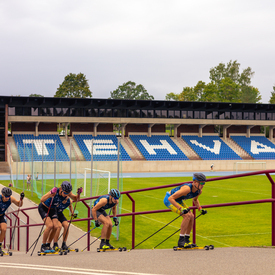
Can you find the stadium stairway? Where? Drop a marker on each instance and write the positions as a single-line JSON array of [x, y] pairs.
[[237, 149], [75, 149], [186, 149], [131, 149]]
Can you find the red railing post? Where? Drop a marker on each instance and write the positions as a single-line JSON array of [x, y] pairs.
[[133, 219], [27, 230], [89, 222]]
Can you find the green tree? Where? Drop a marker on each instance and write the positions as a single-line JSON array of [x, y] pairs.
[[74, 85], [172, 96], [228, 90], [35, 95], [250, 94], [210, 93], [130, 90], [272, 98], [188, 94]]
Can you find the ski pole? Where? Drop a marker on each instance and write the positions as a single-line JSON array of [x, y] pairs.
[[82, 236], [172, 235], [155, 232], [79, 191], [36, 241], [92, 242], [22, 195]]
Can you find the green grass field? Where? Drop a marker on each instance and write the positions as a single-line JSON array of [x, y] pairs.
[[245, 225]]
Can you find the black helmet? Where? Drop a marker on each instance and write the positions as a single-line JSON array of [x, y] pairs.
[[6, 191], [66, 187], [114, 193], [199, 177]]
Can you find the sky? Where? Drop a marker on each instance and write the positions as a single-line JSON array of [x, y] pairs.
[[164, 45]]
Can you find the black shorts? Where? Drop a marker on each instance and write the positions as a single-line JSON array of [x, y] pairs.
[[61, 217], [100, 212], [43, 211], [2, 219]]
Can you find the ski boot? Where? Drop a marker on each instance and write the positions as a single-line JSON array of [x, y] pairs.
[[55, 247], [104, 245], [44, 248], [181, 241], [64, 246], [48, 247], [108, 244], [187, 244]]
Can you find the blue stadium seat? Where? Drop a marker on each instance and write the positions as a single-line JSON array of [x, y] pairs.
[[33, 147], [259, 147], [104, 147], [158, 147], [210, 147]]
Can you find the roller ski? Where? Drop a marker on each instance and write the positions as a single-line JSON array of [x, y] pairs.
[[46, 250], [3, 253], [207, 247], [106, 246]]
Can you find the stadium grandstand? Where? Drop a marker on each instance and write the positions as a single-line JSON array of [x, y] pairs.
[[153, 135]]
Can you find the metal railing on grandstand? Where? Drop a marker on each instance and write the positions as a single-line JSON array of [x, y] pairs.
[[85, 202]]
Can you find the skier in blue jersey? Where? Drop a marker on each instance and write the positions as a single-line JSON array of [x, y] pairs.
[[62, 221], [6, 199], [174, 200], [101, 217], [48, 210]]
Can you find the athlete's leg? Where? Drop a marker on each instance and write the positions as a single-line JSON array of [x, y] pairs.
[[65, 225], [3, 228], [56, 236], [53, 231], [107, 223], [49, 226]]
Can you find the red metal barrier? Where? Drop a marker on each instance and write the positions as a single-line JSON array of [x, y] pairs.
[[134, 213]]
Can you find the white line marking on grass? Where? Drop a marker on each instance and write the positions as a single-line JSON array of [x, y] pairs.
[[144, 216], [151, 197], [237, 190], [68, 269], [235, 235], [212, 240]]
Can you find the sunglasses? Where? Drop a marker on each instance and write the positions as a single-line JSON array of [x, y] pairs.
[[65, 193], [202, 183], [115, 198], [7, 197]]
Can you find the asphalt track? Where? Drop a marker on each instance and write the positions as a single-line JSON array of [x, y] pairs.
[[220, 261]]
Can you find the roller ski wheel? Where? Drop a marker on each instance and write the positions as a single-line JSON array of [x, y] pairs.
[[211, 246], [206, 247], [124, 248], [120, 249], [76, 250]]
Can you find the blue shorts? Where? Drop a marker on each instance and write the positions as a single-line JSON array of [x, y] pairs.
[[166, 201]]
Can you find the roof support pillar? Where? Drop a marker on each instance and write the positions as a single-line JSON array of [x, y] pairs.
[[150, 129], [224, 127], [248, 130], [271, 128], [123, 125], [200, 129], [176, 130], [95, 129], [36, 128]]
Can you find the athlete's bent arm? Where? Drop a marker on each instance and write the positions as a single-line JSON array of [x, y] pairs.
[[100, 204], [196, 202], [16, 202], [184, 190]]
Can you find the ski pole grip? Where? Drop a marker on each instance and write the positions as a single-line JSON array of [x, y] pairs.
[[54, 190]]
